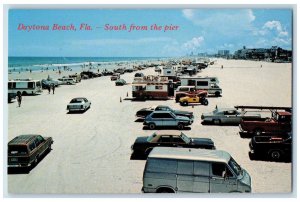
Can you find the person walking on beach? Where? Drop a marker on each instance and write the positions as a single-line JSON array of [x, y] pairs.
[[49, 89], [53, 88], [19, 98]]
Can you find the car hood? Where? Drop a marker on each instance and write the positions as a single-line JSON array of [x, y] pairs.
[[202, 141], [140, 140]]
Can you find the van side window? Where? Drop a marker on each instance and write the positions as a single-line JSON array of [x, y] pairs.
[[201, 168], [185, 167], [162, 165], [218, 169]]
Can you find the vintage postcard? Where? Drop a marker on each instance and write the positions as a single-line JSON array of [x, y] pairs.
[[149, 100]]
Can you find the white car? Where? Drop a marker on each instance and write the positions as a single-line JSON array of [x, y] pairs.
[[67, 81], [79, 104]]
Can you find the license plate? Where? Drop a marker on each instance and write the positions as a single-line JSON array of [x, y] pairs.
[[13, 159]]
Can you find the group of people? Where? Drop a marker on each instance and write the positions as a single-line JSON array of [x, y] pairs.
[[52, 86]]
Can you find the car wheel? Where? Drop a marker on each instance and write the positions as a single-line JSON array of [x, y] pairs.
[[185, 103], [180, 126], [217, 122], [275, 155], [217, 94], [152, 126], [205, 102]]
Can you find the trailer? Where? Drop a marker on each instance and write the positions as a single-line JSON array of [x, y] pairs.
[[152, 87], [203, 83]]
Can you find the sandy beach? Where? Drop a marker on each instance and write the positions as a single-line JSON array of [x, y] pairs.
[[91, 151]]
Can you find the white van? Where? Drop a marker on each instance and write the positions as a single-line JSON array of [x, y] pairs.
[[68, 81], [172, 170], [203, 83]]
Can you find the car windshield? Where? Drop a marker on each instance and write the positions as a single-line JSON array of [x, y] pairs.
[[76, 101], [151, 137], [235, 166], [185, 138]]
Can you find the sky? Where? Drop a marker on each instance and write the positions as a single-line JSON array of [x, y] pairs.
[[194, 31]]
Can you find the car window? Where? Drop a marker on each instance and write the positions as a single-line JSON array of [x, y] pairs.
[[162, 165], [17, 149], [185, 167], [76, 101], [166, 115], [164, 139], [40, 138], [201, 168], [32, 146], [218, 169], [155, 115], [178, 139]]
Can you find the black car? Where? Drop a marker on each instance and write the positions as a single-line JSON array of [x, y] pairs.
[[143, 145], [274, 148], [142, 113]]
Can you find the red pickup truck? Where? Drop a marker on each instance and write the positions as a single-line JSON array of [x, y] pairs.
[[280, 122]]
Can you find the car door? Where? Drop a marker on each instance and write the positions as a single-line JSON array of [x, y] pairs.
[[157, 119], [201, 177], [229, 117], [221, 179], [185, 178], [168, 119]]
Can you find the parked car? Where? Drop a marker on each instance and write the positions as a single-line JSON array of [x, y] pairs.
[[193, 98], [275, 148], [166, 119], [67, 81], [142, 113], [49, 82], [144, 145], [227, 116], [183, 91], [120, 82], [176, 170], [11, 96], [139, 74], [281, 121], [79, 104], [115, 77], [27, 150]]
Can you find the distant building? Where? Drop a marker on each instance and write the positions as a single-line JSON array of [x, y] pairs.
[[223, 53], [274, 54]]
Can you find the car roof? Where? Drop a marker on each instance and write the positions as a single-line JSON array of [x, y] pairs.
[[190, 154], [22, 139], [167, 132], [162, 106], [226, 109], [161, 112], [79, 98]]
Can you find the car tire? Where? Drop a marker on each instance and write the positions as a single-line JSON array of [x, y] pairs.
[[185, 103], [275, 155], [180, 126], [205, 102], [217, 94], [152, 126], [217, 121]]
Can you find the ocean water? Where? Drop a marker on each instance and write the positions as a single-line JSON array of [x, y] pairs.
[[20, 64]]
